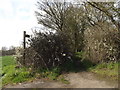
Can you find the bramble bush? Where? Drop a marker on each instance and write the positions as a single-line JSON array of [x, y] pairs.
[[47, 50]]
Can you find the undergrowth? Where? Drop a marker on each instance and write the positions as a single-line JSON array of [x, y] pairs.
[[52, 74]]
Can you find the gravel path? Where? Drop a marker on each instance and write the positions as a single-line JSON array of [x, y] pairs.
[[77, 80]]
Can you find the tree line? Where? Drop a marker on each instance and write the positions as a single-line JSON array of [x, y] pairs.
[[7, 51], [87, 27]]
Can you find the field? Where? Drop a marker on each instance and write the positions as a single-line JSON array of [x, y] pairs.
[[8, 60], [13, 75]]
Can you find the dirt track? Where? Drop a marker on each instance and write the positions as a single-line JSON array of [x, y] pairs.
[[77, 80]]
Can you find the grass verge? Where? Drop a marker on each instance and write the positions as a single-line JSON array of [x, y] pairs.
[[52, 74], [106, 69], [13, 75]]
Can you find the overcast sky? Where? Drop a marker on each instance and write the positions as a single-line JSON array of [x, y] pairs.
[[15, 17]]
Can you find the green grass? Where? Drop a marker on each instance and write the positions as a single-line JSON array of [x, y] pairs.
[[106, 69], [12, 75], [7, 60], [52, 74]]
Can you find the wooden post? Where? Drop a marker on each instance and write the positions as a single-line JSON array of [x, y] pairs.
[[24, 46]]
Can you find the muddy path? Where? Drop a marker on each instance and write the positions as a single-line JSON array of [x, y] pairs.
[[77, 80]]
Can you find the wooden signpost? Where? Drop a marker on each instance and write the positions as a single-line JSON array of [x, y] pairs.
[[24, 44]]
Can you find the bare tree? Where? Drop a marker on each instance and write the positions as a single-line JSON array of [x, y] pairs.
[[65, 18], [51, 14], [108, 9]]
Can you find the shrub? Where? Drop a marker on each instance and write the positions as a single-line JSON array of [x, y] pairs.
[[19, 55], [47, 50], [101, 43]]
